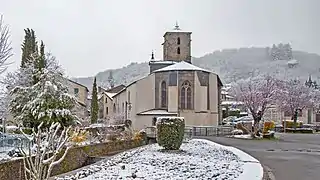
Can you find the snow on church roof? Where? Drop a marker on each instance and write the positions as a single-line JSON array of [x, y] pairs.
[[177, 29], [182, 66]]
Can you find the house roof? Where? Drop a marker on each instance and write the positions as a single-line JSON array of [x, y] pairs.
[[79, 84], [110, 95], [156, 112], [125, 88], [116, 89]]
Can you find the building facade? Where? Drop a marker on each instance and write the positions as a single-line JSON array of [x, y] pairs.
[[174, 87]]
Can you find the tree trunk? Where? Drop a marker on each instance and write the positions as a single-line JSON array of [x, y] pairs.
[[255, 130]]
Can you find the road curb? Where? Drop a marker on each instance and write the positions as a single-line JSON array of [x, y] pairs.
[[268, 174], [253, 170]]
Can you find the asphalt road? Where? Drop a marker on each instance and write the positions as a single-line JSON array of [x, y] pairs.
[[293, 157]]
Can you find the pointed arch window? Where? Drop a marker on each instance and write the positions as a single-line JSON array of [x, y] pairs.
[[178, 40], [178, 50], [186, 96], [163, 94]]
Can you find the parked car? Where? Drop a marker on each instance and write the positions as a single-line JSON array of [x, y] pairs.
[[229, 120]]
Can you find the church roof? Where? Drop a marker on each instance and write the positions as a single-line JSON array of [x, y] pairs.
[[177, 29], [185, 66], [182, 66]]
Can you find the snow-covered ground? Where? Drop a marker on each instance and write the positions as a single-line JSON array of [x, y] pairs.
[[4, 157], [198, 159]]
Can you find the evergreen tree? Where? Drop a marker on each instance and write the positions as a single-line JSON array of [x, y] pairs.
[[309, 82], [31, 56], [281, 52], [94, 103], [287, 52], [275, 53], [315, 85], [46, 101], [29, 47], [42, 57], [111, 79], [39, 63]]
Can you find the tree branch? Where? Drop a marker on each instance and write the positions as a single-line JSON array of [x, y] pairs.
[[5, 46]]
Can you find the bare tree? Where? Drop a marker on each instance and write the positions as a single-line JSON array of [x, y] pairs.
[[52, 64], [256, 93], [5, 46], [295, 96], [48, 144]]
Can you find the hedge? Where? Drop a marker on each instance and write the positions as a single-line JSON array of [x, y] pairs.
[[170, 132], [290, 124]]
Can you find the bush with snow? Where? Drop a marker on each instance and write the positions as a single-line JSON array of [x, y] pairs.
[[170, 132]]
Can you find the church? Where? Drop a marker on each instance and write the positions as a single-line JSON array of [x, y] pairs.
[[174, 87]]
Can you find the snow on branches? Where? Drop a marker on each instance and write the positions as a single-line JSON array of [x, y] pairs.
[[47, 100], [47, 145], [295, 95], [5, 45], [256, 93]]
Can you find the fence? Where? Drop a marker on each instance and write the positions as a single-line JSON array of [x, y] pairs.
[[197, 131], [211, 130], [10, 142]]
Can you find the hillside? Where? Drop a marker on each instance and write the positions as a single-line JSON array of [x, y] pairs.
[[230, 64]]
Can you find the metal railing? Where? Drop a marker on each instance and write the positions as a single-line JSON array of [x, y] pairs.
[[212, 130], [191, 131], [9, 142]]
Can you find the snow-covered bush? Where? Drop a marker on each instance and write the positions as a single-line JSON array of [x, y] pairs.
[[170, 132]]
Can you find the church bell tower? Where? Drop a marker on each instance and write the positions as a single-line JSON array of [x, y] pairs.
[[177, 45]]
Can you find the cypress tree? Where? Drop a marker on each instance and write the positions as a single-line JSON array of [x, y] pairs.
[[42, 57], [94, 103], [29, 47], [39, 64]]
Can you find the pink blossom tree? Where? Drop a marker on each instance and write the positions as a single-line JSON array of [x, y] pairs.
[[294, 96], [256, 93]]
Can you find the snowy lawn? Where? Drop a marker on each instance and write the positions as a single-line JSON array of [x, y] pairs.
[[4, 157], [197, 159]]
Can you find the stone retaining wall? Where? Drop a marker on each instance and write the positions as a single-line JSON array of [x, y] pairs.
[[75, 158]]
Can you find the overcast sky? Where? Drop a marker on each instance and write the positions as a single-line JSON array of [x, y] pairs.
[[92, 36]]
